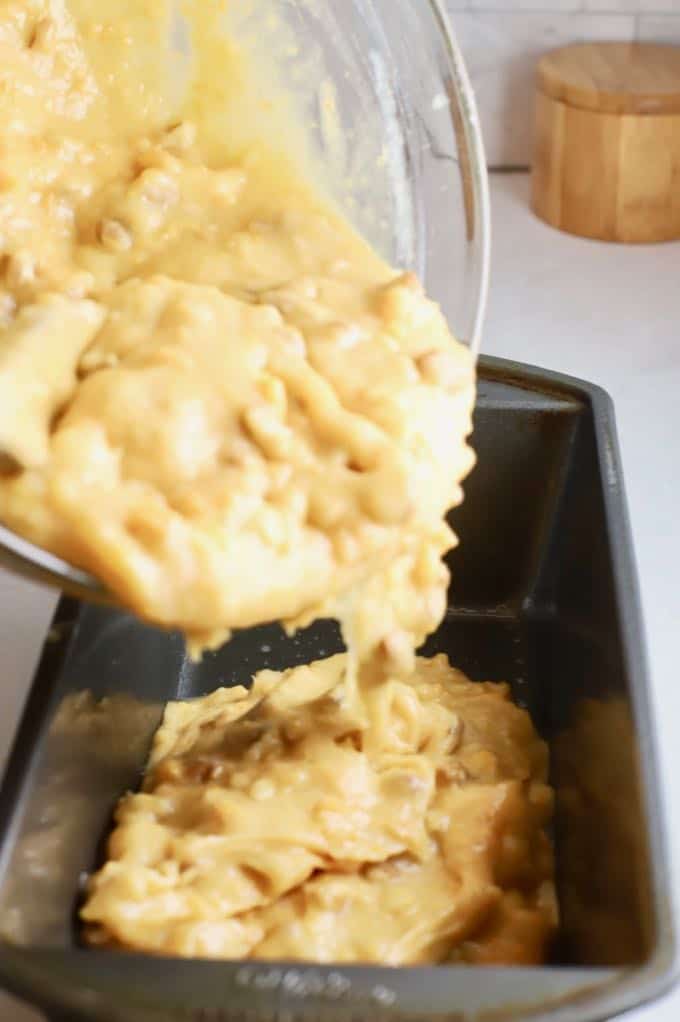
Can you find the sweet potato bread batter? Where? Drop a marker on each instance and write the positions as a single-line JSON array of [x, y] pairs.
[[213, 394], [216, 397], [418, 838]]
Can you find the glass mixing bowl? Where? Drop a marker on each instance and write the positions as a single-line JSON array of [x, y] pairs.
[[389, 111], [388, 104]]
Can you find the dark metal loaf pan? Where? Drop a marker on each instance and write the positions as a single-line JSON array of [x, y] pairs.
[[544, 595]]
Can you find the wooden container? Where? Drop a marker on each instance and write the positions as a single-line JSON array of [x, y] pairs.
[[607, 141]]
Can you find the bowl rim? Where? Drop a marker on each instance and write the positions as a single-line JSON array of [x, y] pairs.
[[473, 166]]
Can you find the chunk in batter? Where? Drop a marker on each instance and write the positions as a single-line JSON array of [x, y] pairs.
[[418, 838]]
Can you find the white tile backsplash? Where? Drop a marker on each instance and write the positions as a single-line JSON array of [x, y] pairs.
[[503, 39], [589, 6], [501, 52], [524, 5], [661, 28], [546, 6], [636, 6]]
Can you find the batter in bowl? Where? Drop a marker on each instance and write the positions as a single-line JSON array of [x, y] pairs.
[[213, 394]]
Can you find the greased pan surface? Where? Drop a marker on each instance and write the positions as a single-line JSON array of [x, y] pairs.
[[544, 596]]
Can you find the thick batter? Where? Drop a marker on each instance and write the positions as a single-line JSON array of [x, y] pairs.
[[213, 394], [217, 398], [416, 839]]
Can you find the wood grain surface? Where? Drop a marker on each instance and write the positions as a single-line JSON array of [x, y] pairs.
[[607, 142]]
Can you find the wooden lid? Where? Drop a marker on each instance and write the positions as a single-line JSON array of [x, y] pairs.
[[618, 78]]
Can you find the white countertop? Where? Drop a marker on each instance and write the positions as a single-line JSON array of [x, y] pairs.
[[605, 313]]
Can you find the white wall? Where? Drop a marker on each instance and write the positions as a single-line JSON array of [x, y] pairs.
[[502, 40]]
